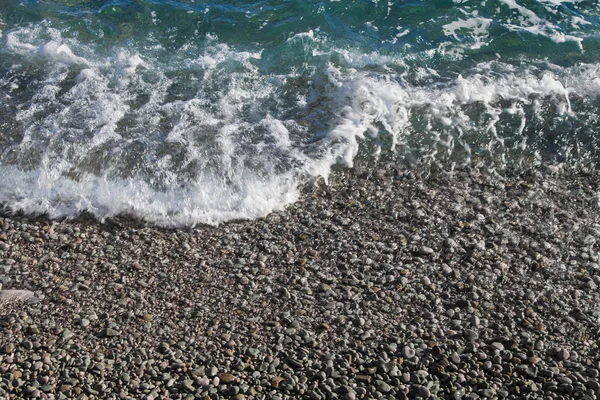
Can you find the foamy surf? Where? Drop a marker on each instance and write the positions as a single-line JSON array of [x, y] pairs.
[[217, 128]]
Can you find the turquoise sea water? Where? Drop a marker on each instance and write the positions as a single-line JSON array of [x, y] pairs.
[[185, 112]]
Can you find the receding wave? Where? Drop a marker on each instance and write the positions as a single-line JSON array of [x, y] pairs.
[[213, 130]]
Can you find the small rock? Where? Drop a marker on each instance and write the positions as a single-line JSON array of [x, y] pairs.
[[497, 346], [110, 332], [408, 352], [563, 354], [470, 335], [424, 392], [276, 381], [564, 380], [383, 387], [27, 345], [188, 385], [226, 378], [424, 251], [204, 381]]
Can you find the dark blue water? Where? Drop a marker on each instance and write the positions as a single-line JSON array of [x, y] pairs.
[[181, 112]]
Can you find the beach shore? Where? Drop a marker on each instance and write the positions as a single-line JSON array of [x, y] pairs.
[[378, 285]]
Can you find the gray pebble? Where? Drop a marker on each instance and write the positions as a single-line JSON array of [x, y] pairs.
[[408, 352], [424, 392], [383, 387], [471, 335]]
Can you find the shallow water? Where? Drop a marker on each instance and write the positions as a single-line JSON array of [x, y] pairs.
[[185, 112]]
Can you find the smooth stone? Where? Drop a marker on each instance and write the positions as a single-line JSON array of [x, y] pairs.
[[408, 352], [497, 346], [424, 250], [383, 387], [204, 381], [424, 392], [471, 335], [226, 378], [110, 332], [563, 354]]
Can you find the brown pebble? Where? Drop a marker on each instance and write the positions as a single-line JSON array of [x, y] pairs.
[[276, 381], [324, 327], [533, 360], [227, 378], [371, 370]]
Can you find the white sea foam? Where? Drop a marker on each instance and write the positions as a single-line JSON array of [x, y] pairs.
[[558, 3], [125, 137], [475, 28], [577, 22], [205, 201], [532, 23], [61, 53], [476, 25]]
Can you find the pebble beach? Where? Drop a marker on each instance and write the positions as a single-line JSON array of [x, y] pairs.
[[376, 285]]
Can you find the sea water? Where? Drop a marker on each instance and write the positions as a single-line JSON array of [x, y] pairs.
[[193, 111]]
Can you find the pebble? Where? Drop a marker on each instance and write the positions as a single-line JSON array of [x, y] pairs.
[[252, 352], [562, 354], [497, 346], [27, 345], [110, 332], [226, 378], [424, 392], [424, 250], [204, 381], [383, 387], [408, 352], [188, 385], [471, 335], [594, 385]]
